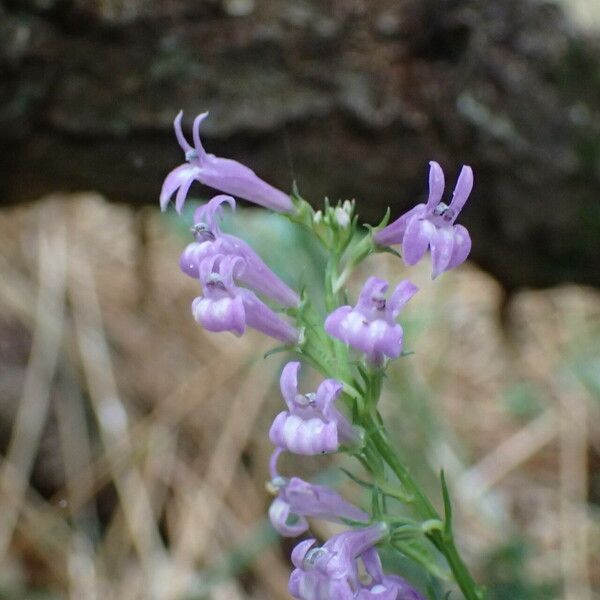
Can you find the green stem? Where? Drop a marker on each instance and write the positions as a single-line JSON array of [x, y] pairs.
[[357, 254], [426, 511]]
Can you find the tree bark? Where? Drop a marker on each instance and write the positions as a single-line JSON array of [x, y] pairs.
[[349, 98]]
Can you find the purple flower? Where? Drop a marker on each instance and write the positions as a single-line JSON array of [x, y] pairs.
[[312, 424], [227, 307], [331, 571], [370, 326], [223, 174], [298, 499], [210, 240], [432, 225]]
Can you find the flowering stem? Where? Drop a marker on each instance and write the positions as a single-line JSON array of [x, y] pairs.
[[426, 511], [358, 253]]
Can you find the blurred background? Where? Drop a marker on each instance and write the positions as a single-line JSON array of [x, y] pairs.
[[134, 446]]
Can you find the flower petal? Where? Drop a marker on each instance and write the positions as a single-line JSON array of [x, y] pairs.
[[237, 179], [224, 314], [284, 521], [300, 551], [436, 185], [288, 383], [404, 291], [463, 188], [442, 243], [182, 194], [193, 255], [212, 212], [175, 179], [373, 289], [462, 247], [179, 133], [320, 501], [417, 237], [394, 232], [201, 153]]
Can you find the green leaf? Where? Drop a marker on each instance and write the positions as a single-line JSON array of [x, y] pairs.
[[423, 556], [357, 480], [447, 508], [275, 350]]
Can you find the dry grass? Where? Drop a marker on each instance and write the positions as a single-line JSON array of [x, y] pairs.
[[134, 446]]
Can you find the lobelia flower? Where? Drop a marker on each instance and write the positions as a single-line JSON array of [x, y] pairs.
[[331, 572], [227, 307], [312, 424], [432, 225], [210, 241], [223, 174], [298, 499], [370, 326]]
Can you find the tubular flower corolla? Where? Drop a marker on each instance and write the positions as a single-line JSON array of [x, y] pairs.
[[298, 499], [222, 174], [226, 307], [331, 572], [431, 225], [370, 326], [312, 424], [210, 241]]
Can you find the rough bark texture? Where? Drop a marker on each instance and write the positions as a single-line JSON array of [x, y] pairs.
[[351, 98]]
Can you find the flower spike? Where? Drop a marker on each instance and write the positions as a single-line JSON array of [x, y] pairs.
[[223, 174]]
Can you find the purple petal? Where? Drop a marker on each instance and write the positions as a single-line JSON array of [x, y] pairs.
[[179, 133], [372, 564], [288, 383], [174, 180], [300, 550], [320, 501], [402, 588], [225, 314], [336, 323], [284, 521], [208, 265], [258, 275], [212, 212], [436, 185], [382, 339], [463, 188], [193, 255], [182, 194], [373, 289], [442, 243], [261, 317], [200, 152], [327, 393], [379, 592], [404, 291], [236, 179], [394, 232], [355, 542], [273, 462], [307, 437], [461, 248], [294, 583], [416, 240]]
